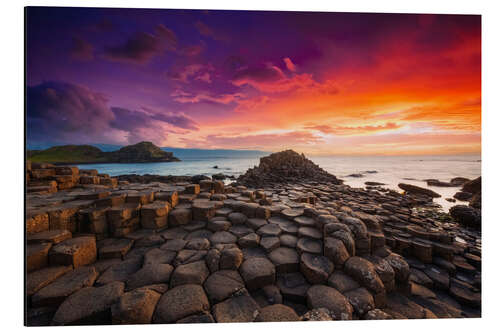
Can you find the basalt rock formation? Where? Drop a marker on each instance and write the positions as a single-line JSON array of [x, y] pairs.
[[107, 251], [285, 166]]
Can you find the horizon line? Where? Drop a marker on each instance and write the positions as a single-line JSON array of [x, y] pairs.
[[275, 151]]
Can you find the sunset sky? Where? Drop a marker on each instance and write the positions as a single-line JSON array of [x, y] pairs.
[[320, 83]]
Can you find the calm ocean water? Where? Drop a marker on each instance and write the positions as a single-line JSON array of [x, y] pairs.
[[390, 170]]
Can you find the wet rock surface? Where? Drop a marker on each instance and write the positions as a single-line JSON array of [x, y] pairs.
[[295, 245]]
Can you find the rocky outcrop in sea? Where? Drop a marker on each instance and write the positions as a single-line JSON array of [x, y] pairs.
[[142, 152], [469, 215], [285, 166]]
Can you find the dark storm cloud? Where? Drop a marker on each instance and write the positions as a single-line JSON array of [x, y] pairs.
[[64, 112], [142, 47], [128, 120], [60, 111]]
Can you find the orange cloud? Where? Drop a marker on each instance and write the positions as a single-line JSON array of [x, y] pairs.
[[183, 97], [272, 141], [290, 65], [346, 130], [271, 79]]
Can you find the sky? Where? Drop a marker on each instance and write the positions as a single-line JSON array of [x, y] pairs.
[[319, 83]]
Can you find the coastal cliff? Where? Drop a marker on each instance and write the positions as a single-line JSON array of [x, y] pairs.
[[142, 152]]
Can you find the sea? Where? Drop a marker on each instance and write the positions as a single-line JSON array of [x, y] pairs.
[[390, 170]]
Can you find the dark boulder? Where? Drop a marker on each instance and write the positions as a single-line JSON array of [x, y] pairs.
[[473, 186], [374, 184], [459, 181], [463, 196], [412, 189], [197, 178], [438, 183], [219, 176], [355, 175], [467, 216]]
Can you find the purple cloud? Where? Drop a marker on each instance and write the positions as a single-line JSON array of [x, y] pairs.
[[144, 125], [177, 120], [69, 113], [142, 47], [60, 111], [207, 31], [128, 120], [184, 97], [192, 50], [290, 65], [261, 74], [205, 77], [184, 74], [197, 71], [81, 50], [234, 63]]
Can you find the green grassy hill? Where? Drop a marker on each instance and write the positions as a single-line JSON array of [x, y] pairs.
[[68, 154], [79, 154], [140, 152]]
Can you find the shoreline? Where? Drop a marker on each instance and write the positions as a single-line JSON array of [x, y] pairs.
[[445, 192], [389, 173]]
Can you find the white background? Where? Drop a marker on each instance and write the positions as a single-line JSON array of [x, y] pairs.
[[12, 141]]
